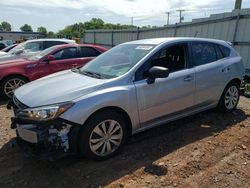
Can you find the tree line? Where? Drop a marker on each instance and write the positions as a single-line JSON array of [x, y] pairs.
[[71, 31]]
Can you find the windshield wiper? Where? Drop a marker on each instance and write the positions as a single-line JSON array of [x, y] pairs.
[[91, 74]]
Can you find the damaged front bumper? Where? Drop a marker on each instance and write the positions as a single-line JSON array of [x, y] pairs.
[[48, 140]]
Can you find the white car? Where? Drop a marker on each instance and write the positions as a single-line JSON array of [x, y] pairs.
[[32, 47]]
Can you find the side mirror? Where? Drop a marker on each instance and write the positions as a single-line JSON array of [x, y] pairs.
[[50, 58], [18, 52], [157, 72]]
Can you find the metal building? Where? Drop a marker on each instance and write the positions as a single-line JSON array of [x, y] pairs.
[[231, 26], [17, 35]]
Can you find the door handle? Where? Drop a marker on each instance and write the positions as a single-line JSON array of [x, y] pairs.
[[225, 69], [188, 78]]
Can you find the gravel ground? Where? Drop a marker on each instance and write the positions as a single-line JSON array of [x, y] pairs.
[[209, 149]]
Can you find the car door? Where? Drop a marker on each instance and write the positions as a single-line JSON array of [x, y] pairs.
[[87, 54], [66, 58], [170, 95], [211, 72]]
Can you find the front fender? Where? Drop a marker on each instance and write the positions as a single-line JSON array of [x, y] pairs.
[[123, 97]]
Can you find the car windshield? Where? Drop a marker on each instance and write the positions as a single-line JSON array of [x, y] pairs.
[[41, 54], [116, 61]]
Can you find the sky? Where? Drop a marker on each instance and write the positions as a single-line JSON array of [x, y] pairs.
[[56, 14]]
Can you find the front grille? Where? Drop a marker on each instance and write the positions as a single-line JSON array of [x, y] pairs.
[[17, 104]]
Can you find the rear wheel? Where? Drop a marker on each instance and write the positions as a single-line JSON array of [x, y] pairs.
[[229, 98], [10, 84], [103, 135]]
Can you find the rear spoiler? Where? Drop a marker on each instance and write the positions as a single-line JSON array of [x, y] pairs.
[[230, 43]]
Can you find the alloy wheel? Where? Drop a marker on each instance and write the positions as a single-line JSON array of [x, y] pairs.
[[11, 85], [106, 137], [231, 97]]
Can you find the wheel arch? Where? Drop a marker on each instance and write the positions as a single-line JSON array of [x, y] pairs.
[[119, 110], [236, 80], [13, 75]]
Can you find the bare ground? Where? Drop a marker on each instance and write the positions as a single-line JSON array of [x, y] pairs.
[[209, 149]]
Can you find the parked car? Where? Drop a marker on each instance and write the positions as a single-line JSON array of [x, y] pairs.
[[32, 47], [15, 73], [5, 43], [128, 89]]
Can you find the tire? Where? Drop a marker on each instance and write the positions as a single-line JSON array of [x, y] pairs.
[[247, 95], [101, 146], [230, 97], [14, 81]]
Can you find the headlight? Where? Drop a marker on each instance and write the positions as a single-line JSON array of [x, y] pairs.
[[44, 113]]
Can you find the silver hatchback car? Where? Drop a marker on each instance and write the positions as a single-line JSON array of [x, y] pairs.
[[132, 87]]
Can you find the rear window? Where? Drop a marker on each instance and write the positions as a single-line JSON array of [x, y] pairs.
[[218, 52], [226, 51], [203, 53], [89, 52]]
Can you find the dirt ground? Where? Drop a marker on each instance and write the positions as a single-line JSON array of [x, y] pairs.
[[209, 149]]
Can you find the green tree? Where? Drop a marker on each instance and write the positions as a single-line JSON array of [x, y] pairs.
[[77, 29], [5, 26], [26, 28], [94, 23], [51, 34], [42, 31]]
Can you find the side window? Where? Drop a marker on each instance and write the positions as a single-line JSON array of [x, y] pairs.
[[48, 44], [66, 53], [2, 46], [33, 46], [203, 53], [226, 51], [218, 52], [173, 58], [89, 52]]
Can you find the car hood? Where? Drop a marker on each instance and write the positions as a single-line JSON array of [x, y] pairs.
[[8, 56], [2, 53], [57, 88], [13, 62]]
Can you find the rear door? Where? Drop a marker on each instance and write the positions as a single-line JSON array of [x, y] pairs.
[[210, 71]]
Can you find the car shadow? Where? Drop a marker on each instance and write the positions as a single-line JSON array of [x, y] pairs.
[[141, 150], [3, 100]]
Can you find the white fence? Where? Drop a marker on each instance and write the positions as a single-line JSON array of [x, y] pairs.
[[233, 26]]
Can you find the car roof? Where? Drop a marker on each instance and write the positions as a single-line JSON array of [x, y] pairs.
[[62, 40], [158, 41], [78, 45]]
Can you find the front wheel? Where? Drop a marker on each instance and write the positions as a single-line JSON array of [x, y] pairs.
[[10, 84], [103, 135], [229, 98]]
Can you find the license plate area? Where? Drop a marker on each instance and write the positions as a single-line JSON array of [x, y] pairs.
[[27, 134]]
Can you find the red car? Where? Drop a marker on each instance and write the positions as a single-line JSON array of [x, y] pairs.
[[15, 73]]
